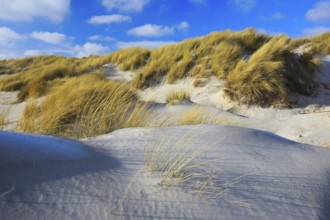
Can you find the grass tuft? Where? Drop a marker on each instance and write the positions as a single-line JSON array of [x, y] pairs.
[[176, 96], [95, 106], [4, 119]]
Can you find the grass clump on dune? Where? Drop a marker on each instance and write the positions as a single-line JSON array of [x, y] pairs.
[[86, 106], [270, 74], [176, 96], [199, 57], [4, 119], [35, 78], [130, 59], [176, 164], [193, 116]]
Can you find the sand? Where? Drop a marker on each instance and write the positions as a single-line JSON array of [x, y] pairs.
[[254, 175]]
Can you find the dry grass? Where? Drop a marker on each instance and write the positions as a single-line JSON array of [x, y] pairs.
[[176, 164], [270, 74], [130, 59], [198, 57], [29, 121], [258, 69], [321, 43], [176, 96], [193, 116], [200, 82], [85, 106], [4, 119]]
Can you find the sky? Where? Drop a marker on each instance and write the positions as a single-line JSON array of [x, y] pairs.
[[79, 28]]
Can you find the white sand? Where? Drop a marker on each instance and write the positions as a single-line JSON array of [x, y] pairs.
[[13, 111], [114, 73], [52, 178], [308, 121]]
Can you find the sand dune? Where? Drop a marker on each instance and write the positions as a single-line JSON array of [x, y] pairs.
[[255, 175]]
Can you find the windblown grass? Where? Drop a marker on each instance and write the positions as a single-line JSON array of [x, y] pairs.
[[176, 96], [321, 43], [193, 116], [258, 69], [202, 56], [177, 163], [270, 74], [4, 119], [85, 106]]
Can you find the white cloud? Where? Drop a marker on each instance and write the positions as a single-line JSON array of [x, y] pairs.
[[315, 31], [101, 38], [268, 32], [108, 19], [244, 5], [88, 49], [151, 30], [147, 44], [321, 12], [8, 37], [26, 10], [183, 25], [49, 37], [125, 5], [5, 55], [32, 53], [261, 30]]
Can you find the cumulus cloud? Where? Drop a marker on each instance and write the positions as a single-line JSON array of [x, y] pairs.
[[49, 37], [315, 31], [101, 38], [125, 5], [244, 5], [108, 19], [152, 30], [24, 10], [88, 49], [183, 25], [147, 44], [8, 37], [32, 53], [320, 13]]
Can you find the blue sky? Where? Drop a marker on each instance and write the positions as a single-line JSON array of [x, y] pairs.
[[82, 27]]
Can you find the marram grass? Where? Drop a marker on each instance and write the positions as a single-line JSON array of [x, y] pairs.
[[85, 106]]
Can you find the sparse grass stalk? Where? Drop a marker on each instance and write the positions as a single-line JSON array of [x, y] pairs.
[[176, 96], [4, 119]]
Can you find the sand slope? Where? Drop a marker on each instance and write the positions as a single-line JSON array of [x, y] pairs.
[[256, 175]]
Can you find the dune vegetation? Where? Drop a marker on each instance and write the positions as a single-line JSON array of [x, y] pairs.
[[79, 101], [4, 119], [176, 96], [85, 106]]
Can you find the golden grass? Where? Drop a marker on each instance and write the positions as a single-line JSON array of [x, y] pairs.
[[199, 82], [176, 164], [270, 74], [202, 56], [4, 119], [29, 121], [193, 116], [176, 96], [231, 56], [130, 59], [321, 43], [86, 106]]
